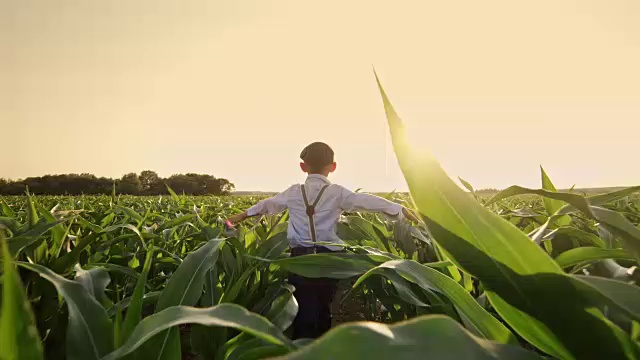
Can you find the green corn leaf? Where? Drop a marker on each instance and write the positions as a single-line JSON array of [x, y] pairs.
[[452, 270], [95, 281], [117, 328], [367, 231], [374, 254], [611, 220], [177, 221], [234, 289], [635, 331], [32, 214], [89, 225], [31, 236], [259, 351], [6, 209], [403, 239], [433, 280], [185, 285], [38, 251], [227, 315], [407, 293], [148, 299], [63, 264], [579, 202], [552, 205], [134, 310], [618, 225], [467, 282], [336, 266], [89, 332], [525, 286], [424, 337], [58, 244], [125, 270], [108, 219], [273, 246], [624, 295], [612, 196], [57, 232], [238, 347], [10, 223], [134, 263], [578, 234], [174, 196], [283, 310], [20, 339], [184, 288], [130, 212], [467, 185], [205, 340], [588, 254]]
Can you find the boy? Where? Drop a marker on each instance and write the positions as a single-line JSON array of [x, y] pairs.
[[314, 210]]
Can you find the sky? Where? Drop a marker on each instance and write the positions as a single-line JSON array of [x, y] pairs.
[[237, 88]]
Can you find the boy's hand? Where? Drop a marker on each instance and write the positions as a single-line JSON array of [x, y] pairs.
[[238, 217], [410, 215]]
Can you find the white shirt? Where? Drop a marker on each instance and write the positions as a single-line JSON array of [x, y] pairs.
[[333, 202]]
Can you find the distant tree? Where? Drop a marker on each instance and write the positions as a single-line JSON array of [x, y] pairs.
[[199, 184], [181, 183], [147, 183], [104, 184], [129, 184], [150, 182], [224, 187], [14, 188], [204, 184], [487, 191]]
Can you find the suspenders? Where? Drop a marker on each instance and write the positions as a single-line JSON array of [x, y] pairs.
[[311, 210]]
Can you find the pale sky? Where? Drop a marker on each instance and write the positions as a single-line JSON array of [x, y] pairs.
[[237, 88]]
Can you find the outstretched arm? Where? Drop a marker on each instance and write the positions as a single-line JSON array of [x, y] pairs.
[[365, 202], [270, 206]]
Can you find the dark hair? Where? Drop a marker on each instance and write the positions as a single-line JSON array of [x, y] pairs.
[[317, 155]]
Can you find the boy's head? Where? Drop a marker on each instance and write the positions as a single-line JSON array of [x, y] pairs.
[[317, 158]]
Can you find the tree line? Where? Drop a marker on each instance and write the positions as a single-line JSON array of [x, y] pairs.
[[146, 183]]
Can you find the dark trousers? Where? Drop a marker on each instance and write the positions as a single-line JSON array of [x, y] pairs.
[[314, 297]]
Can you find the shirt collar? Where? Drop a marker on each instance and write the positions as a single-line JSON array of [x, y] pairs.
[[319, 177]]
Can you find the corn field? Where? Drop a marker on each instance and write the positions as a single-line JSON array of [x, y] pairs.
[[524, 274]]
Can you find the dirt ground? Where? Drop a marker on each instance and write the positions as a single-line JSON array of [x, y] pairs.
[[352, 309]]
